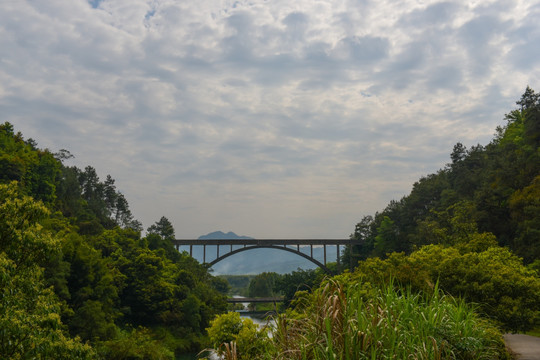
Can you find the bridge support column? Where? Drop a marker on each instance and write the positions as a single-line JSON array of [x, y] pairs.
[[324, 255], [191, 250], [338, 256], [204, 254]]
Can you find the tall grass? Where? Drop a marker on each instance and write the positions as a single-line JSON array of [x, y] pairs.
[[390, 323]]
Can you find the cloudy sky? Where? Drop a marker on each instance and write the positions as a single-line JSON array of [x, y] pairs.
[[274, 118]]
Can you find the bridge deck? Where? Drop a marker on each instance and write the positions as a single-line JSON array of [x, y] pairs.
[[255, 300], [264, 242]]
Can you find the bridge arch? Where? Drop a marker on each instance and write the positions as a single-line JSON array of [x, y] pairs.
[[313, 260]]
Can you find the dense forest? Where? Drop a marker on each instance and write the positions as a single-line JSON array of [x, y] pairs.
[[471, 227], [491, 190], [77, 280]]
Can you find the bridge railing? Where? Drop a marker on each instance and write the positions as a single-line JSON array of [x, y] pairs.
[[241, 300]]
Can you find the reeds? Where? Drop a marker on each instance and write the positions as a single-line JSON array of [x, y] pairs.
[[390, 323]]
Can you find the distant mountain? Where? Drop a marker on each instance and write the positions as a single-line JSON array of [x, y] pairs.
[[258, 260], [220, 235]]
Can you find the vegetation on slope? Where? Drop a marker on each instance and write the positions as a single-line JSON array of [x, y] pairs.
[[347, 320], [76, 272], [440, 273], [497, 186]]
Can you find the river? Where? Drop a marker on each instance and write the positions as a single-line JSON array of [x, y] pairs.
[[256, 319]]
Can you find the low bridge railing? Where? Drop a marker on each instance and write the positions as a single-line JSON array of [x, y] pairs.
[[238, 300]]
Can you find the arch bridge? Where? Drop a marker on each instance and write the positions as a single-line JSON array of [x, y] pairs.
[[229, 247]]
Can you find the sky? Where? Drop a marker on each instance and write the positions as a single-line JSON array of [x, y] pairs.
[[272, 119]]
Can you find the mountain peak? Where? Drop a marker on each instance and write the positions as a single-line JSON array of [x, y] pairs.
[[220, 235]]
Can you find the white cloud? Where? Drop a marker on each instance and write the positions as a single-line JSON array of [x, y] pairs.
[[268, 118]]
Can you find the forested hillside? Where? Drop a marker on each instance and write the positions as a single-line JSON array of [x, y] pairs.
[[491, 190], [436, 276], [77, 280]]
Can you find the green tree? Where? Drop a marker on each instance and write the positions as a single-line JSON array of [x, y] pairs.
[[263, 284], [163, 228], [387, 239], [29, 312], [29, 317], [160, 235], [104, 276], [16, 157], [299, 280], [525, 207], [494, 279], [364, 233], [136, 344], [94, 287], [239, 337]]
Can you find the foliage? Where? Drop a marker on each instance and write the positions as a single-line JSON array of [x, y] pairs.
[[92, 290], [156, 292], [346, 319], [239, 284], [36, 170], [342, 321], [263, 284], [163, 228], [135, 344], [495, 185], [83, 243], [30, 324], [387, 237], [299, 280], [159, 237], [495, 279], [234, 337], [524, 208]]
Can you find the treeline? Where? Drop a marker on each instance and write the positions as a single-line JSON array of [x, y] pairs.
[[470, 227], [490, 190], [77, 279], [439, 274]]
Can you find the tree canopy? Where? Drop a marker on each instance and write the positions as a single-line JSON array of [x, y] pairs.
[[76, 269], [495, 186]]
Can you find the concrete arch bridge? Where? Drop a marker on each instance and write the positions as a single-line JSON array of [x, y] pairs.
[[226, 248]]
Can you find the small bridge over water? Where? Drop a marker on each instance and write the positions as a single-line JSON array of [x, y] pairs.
[[240, 300], [226, 248]]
